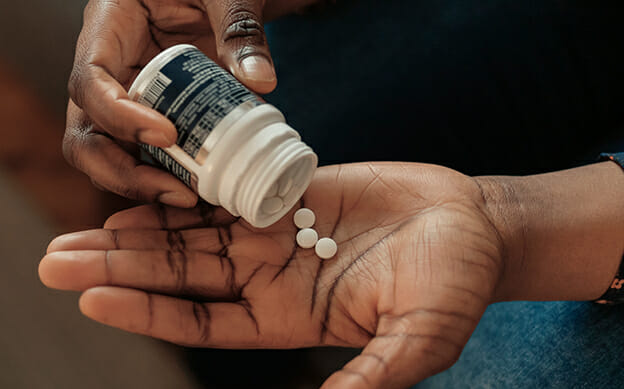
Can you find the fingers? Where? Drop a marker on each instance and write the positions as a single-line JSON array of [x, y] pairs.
[[407, 349], [241, 42], [155, 217], [113, 37], [391, 362], [111, 167], [199, 262], [108, 105], [207, 240], [173, 272], [223, 325]]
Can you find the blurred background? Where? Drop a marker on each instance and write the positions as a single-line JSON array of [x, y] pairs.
[[536, 75], [45, 341], [34, 67]]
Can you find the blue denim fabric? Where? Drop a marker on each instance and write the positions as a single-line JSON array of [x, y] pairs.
[[486, 87], [541, 345]]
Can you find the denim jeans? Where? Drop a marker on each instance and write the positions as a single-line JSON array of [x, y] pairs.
[[541, 345], [485, 87]]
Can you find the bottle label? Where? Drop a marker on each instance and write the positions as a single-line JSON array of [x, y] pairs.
[[195, 94], [170, 164]]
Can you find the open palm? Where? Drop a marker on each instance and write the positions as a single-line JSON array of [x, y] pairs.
[[418, 262]]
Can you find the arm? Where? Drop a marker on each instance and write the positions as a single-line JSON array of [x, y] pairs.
[[563, 231], [423, 250]]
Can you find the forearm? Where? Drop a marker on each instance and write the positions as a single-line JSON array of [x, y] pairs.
[[563, 232]]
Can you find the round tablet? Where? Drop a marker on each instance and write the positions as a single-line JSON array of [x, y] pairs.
[[272, 205], [326, 248], [307, 238], [304, 218]]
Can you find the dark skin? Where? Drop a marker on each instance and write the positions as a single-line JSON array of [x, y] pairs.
[[422, 251], [117, 40], [418, 262]]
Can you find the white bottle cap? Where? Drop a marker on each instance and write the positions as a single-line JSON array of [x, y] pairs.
[[251, 162], [274, 154]]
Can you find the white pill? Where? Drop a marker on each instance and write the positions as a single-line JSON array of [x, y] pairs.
[[326, 248], [307, 238], [273, 190], [272, 205], [304, 218], [285, 187]]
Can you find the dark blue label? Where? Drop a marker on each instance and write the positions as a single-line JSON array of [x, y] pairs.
[[195, 94], [170, 164]]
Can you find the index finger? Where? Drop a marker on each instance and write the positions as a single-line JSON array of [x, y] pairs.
[[113, 43]]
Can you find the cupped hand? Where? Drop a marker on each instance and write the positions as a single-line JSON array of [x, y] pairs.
[[418, 262], [117, 40]]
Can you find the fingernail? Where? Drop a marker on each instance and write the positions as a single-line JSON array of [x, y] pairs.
[[258, 68], [178, 199]]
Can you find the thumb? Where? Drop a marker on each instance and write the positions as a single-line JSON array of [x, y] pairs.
[[397, 360], [241, 42]]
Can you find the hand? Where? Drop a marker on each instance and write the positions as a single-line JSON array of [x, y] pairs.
[[419, 260], [117, 40]]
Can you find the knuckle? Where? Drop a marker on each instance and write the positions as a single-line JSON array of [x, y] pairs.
[[177, 263], [81, 75], [73, 85], [129, 191], [108, 267], [125, 183], [79, 136], [73, 143], [241, 24], [95, 8], [91, 6], [175, 240], [132, 191], [201, 316], [96, 15]]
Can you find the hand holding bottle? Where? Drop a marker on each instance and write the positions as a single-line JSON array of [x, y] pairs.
[[117, 40]]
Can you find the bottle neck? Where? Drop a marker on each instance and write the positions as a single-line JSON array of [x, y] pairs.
[[289, 166], [253, 155], [224, 148]]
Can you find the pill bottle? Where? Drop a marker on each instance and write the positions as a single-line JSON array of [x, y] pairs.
[[233, 149]]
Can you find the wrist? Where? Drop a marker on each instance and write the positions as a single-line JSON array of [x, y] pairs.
[[563, 232]]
